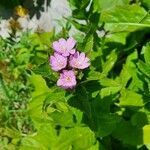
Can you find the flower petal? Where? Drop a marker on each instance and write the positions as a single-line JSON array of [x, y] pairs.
[[70, 43]]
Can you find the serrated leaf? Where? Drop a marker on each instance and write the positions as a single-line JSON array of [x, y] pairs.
[[40, 93], [108, 91], [39, 84], [44, 139], [139, 119], [125, 76], [102, 5], [146, 50], [130, 98], [107, 82], [80, 138], [146, 134], [88, 44], [128, 134], [107, 124], [118, 37], [110, 62], [119, 19], [144, 68], [132, 135]]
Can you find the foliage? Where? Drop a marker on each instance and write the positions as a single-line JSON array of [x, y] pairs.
[[109, 108]]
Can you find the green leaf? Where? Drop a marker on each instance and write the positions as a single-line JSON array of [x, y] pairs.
[[46, 71], [94, 147], [128, 134], [102, 5], [144, 68], [107, 82], [78, 26], [119, 19], [38, 97], [83, 97], [94, 75], [146, 134], [80, 138], [39, 84], [77, 4], [23, 56], [131, 67], [108, 91], [88, 44], [106, 124], [41, 40], [130, 98], [146, 3], [44, 139], [62, 118], [110, 62], [118, 37], [111, 87], [125, 75], [139, 119], [146, 50], [30, 143]]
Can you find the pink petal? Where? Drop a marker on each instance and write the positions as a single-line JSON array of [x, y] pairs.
[[86, 65], [52, 58], [62, 42], [65, 54], [82, 54], [70, 43], [56, 45], [71, 73], [76, 55], [58, 56], [87, 59], [72, 51]]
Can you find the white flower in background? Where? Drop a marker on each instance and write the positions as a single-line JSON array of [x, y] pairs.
[[28, 24], [33, 24], [23, 21], [59, 9], [52, 14], [48, 19], [4, 29], [45, 22]]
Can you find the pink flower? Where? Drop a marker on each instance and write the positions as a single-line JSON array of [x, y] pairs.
[[58, 62], [64, 47], [79, 60], [67, 79]]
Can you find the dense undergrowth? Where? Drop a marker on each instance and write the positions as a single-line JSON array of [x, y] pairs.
[[109, 109]]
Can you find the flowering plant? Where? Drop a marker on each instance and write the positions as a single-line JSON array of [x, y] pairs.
[[105, 106], [66, 60]]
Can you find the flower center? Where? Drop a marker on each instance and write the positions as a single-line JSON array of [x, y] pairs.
[[77, 63], [68, 79], [60, 63]]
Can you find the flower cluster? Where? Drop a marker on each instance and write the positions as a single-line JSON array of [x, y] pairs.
[[66, 59]]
